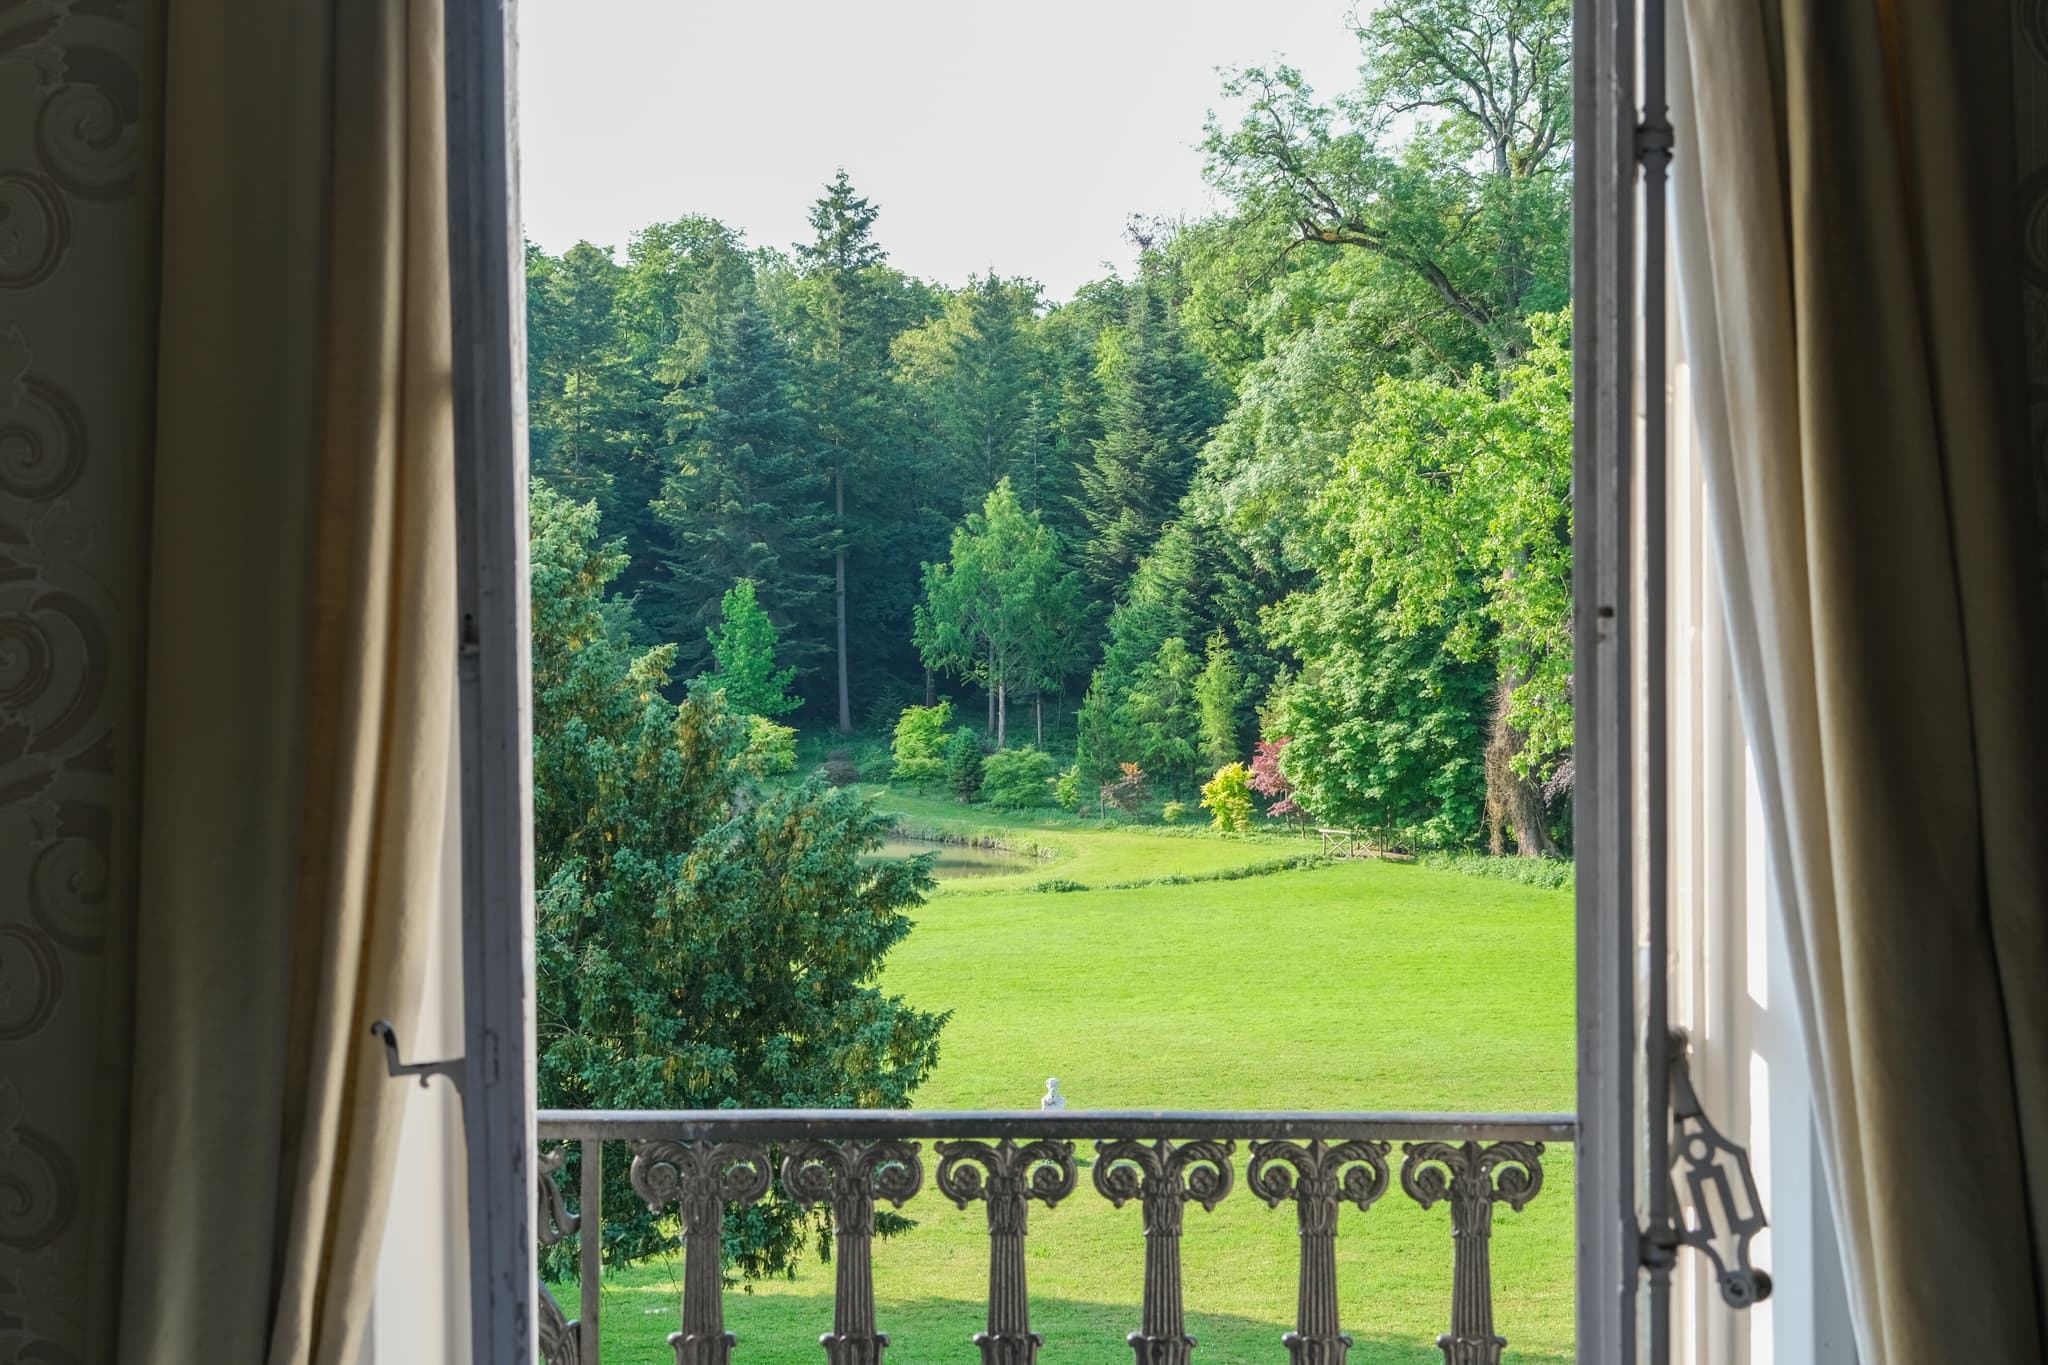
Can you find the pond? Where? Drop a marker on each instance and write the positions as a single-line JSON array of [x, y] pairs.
[[956, 861]]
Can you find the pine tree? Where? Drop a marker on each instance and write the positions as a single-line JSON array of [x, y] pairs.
[[745, 501], [1162, 406]]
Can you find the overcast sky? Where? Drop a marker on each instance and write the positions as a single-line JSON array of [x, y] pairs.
[[1015, 136]]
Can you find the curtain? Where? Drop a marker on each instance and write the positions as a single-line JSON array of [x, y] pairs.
[[1848, 260], [299, 673]]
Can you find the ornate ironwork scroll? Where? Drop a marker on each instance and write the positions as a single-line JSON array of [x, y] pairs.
[[559, 1343], [1720, 1188], [1474, 1178], [850, 1177], [1163, 1177], [1007, 1178], [1318, 1178], [700, 1179]]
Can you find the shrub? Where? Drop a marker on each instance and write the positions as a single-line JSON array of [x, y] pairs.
[[964, 764], [1067, 789], [1173, 812], [1129, 791], [1017, 779], [771, 748], [1059, 884], [840, 769], [919, 751], [1228, 796]]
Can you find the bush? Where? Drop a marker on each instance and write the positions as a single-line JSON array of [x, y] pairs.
[[1173, 812], [1548, 874], [1228, 796], [840, 769], [771, 748], [1017, 779], [964, 764], [1129, 791], [1067, 789], [919, 751]]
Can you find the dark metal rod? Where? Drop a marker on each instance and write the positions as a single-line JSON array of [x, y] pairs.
[[774, 1125], [590, 1245]]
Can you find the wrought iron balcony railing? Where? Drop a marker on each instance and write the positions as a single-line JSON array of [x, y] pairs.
[[700, 1163]]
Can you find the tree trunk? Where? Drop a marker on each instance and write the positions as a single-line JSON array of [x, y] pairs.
[[1514, 803], [839, 570], [1038, 716], [927, 687], [1002, 715]]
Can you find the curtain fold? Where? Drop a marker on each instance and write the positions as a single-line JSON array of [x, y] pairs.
[[1849, 282], [299, 674]]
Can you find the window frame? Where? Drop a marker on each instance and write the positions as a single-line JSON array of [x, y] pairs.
[[486, 260]]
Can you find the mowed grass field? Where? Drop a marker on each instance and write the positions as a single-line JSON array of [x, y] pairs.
[[1364, 985]]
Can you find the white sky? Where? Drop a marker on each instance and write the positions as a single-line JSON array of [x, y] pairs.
[[1015, 136]]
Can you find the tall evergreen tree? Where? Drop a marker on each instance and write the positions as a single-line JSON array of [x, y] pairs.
[[1161, 407], [745, 500], [850, 322]]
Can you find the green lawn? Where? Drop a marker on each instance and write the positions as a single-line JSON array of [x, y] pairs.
[[1357, 986]]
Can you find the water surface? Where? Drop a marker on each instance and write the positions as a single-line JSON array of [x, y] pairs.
[[957, 860]]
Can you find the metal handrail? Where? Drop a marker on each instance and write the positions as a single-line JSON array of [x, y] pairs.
[[777, 1125]]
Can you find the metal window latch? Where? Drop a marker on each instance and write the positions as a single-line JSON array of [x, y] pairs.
[[452, 1068], [1723, 1211]]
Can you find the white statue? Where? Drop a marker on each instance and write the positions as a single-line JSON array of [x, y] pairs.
[[1052, 1098]]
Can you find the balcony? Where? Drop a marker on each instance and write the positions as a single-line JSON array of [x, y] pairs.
[[699, 1164]]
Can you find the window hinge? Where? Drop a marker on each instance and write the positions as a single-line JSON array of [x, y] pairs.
[[1712, 1178], [1654, 141], [452, 1068]]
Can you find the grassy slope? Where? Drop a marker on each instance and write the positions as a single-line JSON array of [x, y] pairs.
[[1366, 985]]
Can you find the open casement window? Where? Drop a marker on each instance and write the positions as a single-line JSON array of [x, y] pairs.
[[1629, 1218]]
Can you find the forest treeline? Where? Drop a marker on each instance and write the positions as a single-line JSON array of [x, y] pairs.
[[1296, 483]]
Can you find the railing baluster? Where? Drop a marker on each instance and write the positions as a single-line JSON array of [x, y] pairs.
[[700, 1179], [1042, 1170], [850, 1177], [559, 1344], [1473, 1178], [1318, 1178], [590, 1245], [1163, 1177]]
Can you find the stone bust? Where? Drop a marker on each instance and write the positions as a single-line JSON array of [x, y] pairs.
[[1052, 1098]]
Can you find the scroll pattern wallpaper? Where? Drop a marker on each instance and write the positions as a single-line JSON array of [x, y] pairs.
[[2030, 89], [77, 364]]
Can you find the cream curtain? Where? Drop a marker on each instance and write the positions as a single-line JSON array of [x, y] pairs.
[[1849, 275], [299, 674]]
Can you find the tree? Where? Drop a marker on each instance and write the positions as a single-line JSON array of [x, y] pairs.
[[744, 500], [701, 941], [850, 315], [1219, 693], [1452, 160], [1161, 407], [964, 764], [919, 750], [1269, 778], [1228, 798], [743, 644], [1004, 609]]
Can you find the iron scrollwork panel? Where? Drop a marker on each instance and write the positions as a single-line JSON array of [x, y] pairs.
[[559, 1343]]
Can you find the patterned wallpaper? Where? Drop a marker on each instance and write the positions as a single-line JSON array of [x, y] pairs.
[[2030, 88], [77, 365]]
